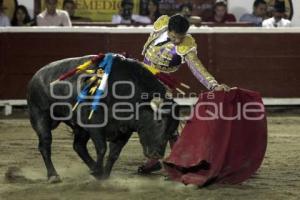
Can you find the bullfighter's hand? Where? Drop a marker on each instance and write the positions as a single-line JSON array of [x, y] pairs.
[[222, 87]]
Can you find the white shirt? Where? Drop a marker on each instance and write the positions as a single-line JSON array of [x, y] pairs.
[[4, 20], [270, 23], [118, 19], [60, 18], [162, 38]]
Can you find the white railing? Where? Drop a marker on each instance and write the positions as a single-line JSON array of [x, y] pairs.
[[144, 29], [9, 104]]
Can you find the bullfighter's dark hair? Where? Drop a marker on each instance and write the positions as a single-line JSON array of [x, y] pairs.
[[178, 24]]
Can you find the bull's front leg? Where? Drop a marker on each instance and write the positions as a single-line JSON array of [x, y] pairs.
[[81, 138], [100, 146], [115, 149]]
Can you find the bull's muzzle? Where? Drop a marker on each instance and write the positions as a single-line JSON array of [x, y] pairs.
[[153, 154]]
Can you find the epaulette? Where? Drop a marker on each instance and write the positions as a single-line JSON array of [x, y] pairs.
[[161, 23], [188, 44]]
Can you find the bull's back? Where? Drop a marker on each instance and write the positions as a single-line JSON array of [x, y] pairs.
[[38, 90]]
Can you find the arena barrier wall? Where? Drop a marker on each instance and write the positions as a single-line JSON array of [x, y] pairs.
[[265, 60]]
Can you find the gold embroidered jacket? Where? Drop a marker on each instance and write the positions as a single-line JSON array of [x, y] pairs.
[[167, 57]]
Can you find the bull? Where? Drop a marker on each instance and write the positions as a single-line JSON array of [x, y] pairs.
[[50, 105]]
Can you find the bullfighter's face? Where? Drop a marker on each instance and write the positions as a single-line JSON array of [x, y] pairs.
[[176, 38]]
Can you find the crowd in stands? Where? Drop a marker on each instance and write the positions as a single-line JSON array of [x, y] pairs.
[[4, 20], [52, 16]]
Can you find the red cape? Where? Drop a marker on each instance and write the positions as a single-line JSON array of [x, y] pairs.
[[220, 150]]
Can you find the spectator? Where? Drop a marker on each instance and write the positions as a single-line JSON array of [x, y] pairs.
[[288, 8], [125, 15], [21, 17], [207, 9], [53, 16], [4, 20], [186, 10], [278, 17], [70, 7], [153, 10], [258, 15], [220, 13]]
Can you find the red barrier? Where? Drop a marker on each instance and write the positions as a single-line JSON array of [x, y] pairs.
[[266, 62]]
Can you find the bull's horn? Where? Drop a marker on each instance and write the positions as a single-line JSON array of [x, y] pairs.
[[155, 103]]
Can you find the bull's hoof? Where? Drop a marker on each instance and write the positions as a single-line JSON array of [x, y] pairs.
[[97, 175], [105, 176], [54, 179], [148, 169]]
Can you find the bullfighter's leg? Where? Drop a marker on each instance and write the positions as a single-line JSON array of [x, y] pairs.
[[115, 149], [81, 138], [42, 124], [173, 139], [99, 141]]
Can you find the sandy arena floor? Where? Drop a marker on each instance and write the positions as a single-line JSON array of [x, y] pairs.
[[278, 178]]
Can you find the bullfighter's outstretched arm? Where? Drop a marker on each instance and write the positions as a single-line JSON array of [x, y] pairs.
[[199, 71]]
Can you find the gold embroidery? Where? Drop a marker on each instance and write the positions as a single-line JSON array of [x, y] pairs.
[[160, 55], [166, 69], [188, 44], [193, 59], [161, 23]]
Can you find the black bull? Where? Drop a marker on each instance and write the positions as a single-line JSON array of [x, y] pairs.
[[48, 108]]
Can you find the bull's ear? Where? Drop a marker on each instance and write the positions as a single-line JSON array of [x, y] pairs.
[[157, 105]]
